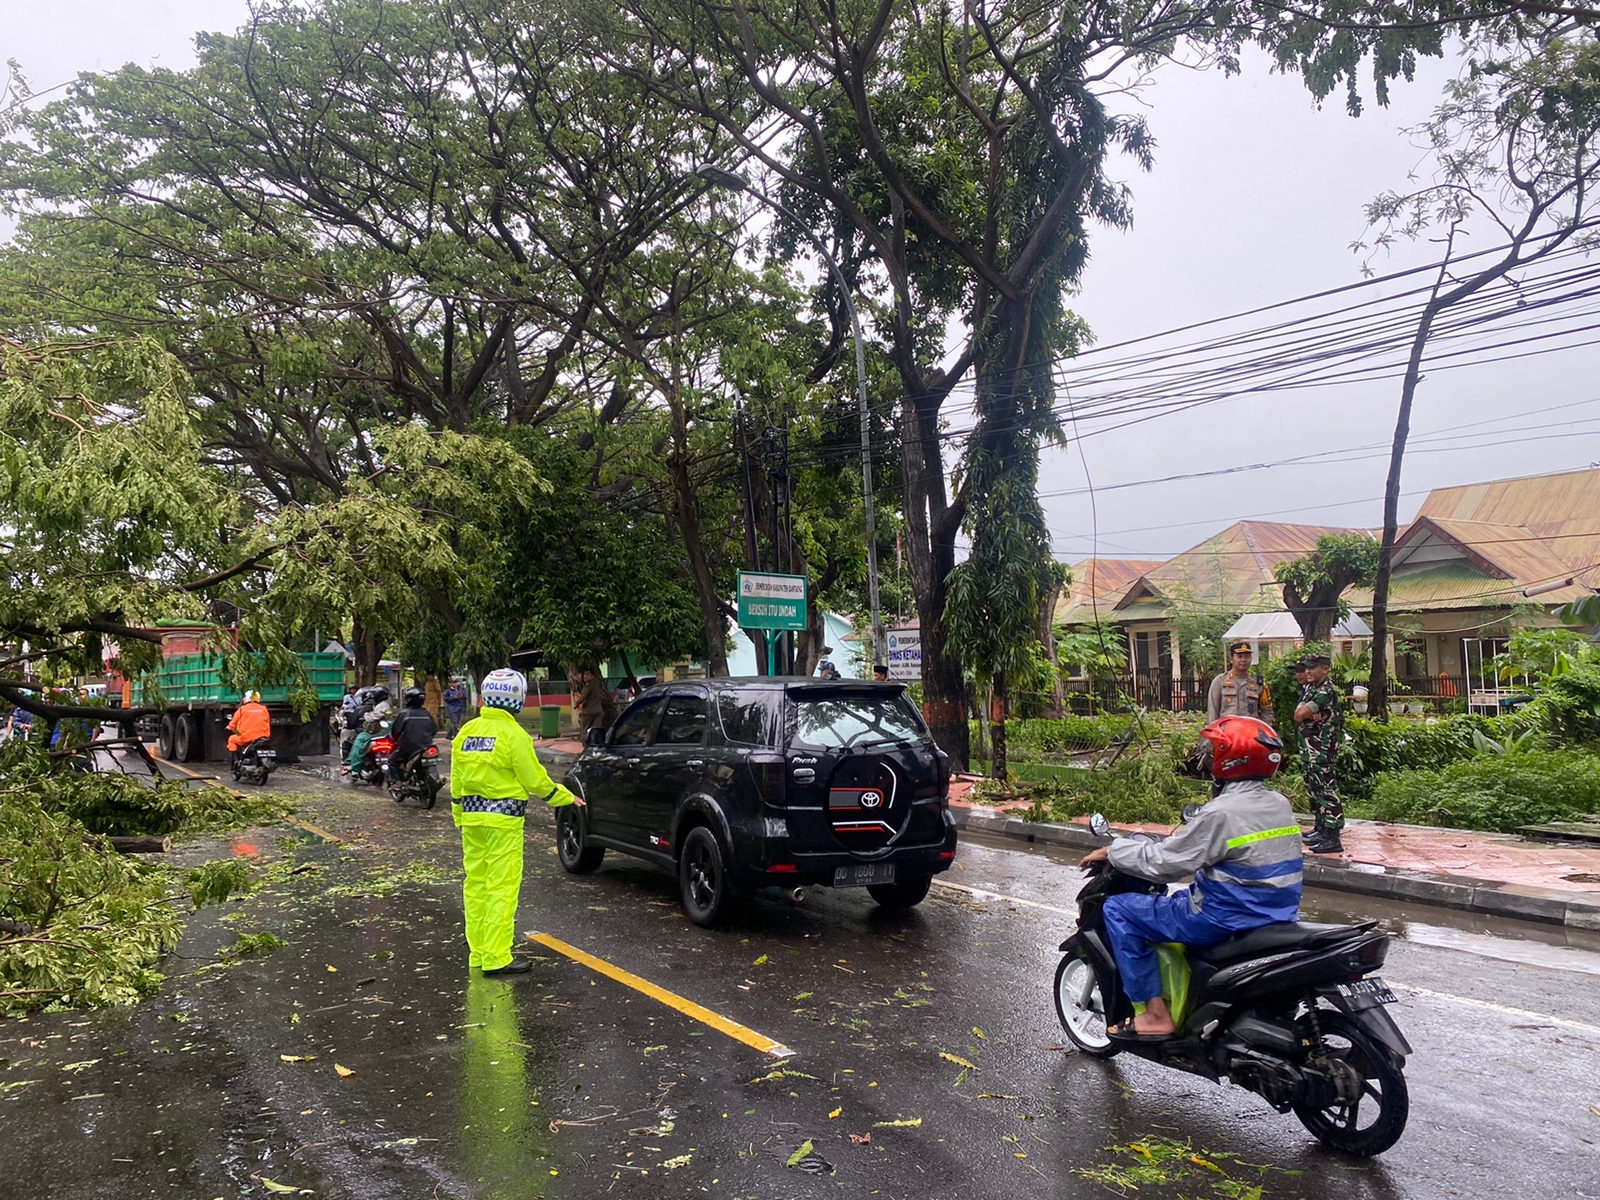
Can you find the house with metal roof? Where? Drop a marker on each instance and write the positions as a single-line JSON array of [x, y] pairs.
[[1480, 560], [1229, 573]]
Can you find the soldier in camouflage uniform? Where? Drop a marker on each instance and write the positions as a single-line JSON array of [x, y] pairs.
[[1319, 722]]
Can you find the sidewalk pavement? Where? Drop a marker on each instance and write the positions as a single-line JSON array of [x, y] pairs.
[[1498, 874]]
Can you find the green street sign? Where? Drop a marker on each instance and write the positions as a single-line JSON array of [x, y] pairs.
[[772, 601]]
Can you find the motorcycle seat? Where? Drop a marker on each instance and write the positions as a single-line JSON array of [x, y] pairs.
[[1274, 939]]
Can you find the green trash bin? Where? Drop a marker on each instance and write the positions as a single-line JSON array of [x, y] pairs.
[[549, 720]]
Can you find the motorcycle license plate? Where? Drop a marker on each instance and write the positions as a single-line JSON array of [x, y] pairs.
[[863, 874], [1367, 993]]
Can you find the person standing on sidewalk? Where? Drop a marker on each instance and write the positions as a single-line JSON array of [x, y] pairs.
[[590, 705], [455, 703], [1235, 693], [493, 774], [1319, 722]]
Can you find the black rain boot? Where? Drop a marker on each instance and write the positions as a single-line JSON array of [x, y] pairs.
[[1325, 841]]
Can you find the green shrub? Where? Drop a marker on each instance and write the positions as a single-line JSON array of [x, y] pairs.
[[1495, 792], [1570, 705], [1063, 735], [1372, 749]]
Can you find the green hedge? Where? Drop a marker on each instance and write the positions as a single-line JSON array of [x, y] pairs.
[[1372, 750], [1496, 792], [1061, 735]]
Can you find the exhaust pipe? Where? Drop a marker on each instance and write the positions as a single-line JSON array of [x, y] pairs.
[[798, 895]]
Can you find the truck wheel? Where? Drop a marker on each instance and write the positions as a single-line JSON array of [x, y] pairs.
[[186, 738], [165, 738]]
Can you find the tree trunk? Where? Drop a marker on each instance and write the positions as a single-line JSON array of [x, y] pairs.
[[997, 727], [1047, 638], [1378, 681], [140, 845], [368, 652], [930, 552], [712, 615]]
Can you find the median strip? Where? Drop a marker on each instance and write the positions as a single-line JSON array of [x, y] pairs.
[[672, 1000]]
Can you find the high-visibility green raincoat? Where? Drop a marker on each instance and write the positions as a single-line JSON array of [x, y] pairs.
[[494, 772]]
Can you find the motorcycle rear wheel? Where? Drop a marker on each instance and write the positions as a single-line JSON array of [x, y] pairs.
[[1080, 1005], [1383, 1098]]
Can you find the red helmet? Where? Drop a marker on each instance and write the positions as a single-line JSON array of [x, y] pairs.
[[1242, 748]]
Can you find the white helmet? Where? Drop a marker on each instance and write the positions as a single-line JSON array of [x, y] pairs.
[[504, 688], [250, 697]]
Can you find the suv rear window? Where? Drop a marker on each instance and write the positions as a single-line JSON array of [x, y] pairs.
[[833, 721]]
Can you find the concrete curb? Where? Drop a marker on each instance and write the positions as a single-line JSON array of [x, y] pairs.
[[1545, 905]]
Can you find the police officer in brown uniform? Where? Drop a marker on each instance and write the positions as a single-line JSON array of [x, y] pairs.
[[1237, 693]]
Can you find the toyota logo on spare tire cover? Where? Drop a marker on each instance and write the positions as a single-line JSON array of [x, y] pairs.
[[864, 806]]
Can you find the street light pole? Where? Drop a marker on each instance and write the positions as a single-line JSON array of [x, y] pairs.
[[718, 177]]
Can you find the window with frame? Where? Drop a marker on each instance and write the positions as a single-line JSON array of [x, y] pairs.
[[684, 721], [749, 718], [633, 727]]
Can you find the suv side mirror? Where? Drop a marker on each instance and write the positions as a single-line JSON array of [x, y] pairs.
[[595, 737]]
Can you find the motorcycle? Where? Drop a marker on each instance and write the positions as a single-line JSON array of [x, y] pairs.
[[374, 765], [255, 763], [421, 783], [1293, 1012]]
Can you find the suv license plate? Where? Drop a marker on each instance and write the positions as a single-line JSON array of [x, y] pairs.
[[1367, 993], [862, 874]]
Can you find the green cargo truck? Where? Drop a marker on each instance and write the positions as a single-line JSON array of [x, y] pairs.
[[200, 701]]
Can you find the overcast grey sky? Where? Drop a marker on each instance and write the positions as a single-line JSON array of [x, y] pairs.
[[1255, 197]]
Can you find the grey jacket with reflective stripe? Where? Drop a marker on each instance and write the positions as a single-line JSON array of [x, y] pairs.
[[1243, 850]]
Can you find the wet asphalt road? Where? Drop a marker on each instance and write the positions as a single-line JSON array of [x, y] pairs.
[[567, 1084]]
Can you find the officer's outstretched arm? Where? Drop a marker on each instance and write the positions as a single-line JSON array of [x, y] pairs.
[[532, 775]]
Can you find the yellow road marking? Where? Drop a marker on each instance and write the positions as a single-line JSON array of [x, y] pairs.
[[672, 1000]]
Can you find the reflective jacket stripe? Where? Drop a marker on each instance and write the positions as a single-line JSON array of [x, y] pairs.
[[1261, 835]]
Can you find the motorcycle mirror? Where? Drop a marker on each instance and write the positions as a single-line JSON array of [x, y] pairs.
[[1190, 812], [1101, 826]]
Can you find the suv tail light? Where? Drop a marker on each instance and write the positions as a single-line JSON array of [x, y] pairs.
[[769, 773]]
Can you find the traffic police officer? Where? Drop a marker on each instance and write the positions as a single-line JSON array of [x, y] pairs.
[[493, 773], [1319, 722]]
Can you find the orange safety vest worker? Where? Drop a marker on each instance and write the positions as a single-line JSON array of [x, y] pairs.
[[250, 723]]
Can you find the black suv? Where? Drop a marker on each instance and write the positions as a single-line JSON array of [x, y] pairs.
[[736, 784]]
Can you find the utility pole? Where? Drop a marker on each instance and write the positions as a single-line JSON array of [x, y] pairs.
[[718, 177], [752, 557]]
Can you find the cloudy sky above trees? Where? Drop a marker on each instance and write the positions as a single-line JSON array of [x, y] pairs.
[[1255, 199]]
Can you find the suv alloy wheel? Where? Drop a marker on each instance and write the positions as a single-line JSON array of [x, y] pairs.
[[708, 893], [572, 848]]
